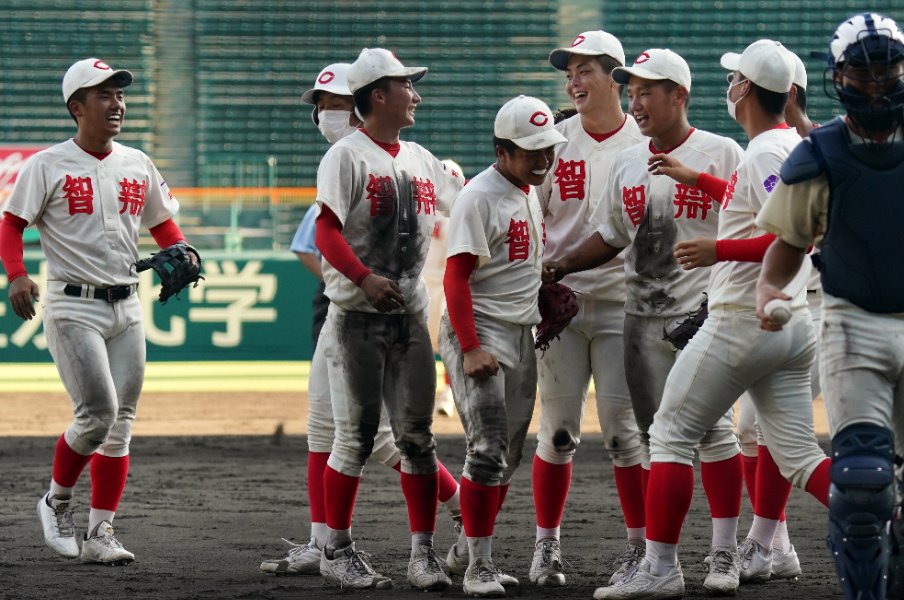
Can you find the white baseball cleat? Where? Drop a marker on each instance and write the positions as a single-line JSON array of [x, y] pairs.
[[349, 569], [756, 562], [785, 565], [546, 568], [58, 525], [627, 560], [639, 583], [456, 564], [103, 547], [447, 405], [482, 579], [425, 570], [723, 577], [302, 559]]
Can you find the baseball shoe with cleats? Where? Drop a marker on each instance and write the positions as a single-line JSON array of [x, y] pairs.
[[756, 562], [58, 525], [302, 559], [546, 568], [785, 565], [723, 577], [447, 405], [639, 583], [350, 569], [103, 547], [482, 579], [457, 564], [627, 560], [426, 570]]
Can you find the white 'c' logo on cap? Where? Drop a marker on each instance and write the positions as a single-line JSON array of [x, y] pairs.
[[102, 66], [644, 57], [539, 118], [326, 77], [577, 40]]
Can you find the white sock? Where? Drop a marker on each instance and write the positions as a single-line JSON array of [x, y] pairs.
[[480, 547], [547, 533], [725, 533], [421, 538], [762, 531], [319, 532], [661, 557], [637, 534], [96, 516], [337, 538], [59, 491], [782, 540]]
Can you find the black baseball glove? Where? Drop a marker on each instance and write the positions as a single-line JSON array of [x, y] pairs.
[[174, 267], [558, 306], [682, 334]]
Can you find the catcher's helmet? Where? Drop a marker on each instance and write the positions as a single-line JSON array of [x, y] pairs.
[[867, 48]]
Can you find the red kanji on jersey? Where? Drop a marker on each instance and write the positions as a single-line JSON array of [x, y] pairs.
[[80, 194], [381, 196], [691, 201], [424, 196], [729, 190], [131, 194], [570, 175], [635, 202], [518, 239]]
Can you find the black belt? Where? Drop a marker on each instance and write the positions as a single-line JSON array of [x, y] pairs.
[[113, 294]]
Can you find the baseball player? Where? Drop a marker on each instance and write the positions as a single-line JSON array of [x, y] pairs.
[[378, 198], [334, 116], [592, 345], [840, 189], [648, 214], [88, 197], [492, 278], [730, 355]]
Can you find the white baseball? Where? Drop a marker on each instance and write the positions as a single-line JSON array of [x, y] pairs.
[[778, 310]]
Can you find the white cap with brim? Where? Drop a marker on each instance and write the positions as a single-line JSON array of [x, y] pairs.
[[656, 64], [376, 63], [89, 73], [333, 79], [800, 71], [766, 63], [528, 123], [589, 43]]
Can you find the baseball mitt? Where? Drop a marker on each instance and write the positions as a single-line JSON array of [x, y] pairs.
[[558, 306], [174, 267], [682, 334]]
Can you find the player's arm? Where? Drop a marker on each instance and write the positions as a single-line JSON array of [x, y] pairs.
[[168, 233], [311, 262], [383, 294], [590, 254], [23, 292], [303, 244], [705, 252], [478, 363], [781, 263]]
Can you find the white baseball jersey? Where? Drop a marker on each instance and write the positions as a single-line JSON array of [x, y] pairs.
[[734, 283], [653, 212], [572, 190], [387, 207], [503, 226], [89, 211]]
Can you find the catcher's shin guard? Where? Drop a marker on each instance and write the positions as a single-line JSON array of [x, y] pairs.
[[861, 503], [895, 589]]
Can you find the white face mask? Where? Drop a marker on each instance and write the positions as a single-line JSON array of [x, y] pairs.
[[733, 106], [334, 124]]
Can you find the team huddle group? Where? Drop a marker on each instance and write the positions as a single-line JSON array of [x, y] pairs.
[[646, 218]]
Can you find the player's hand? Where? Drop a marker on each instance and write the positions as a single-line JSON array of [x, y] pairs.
[[23, 293], [698, 252], [553, 271], [480, 364], [383, 294], [764, 293], [664, 164]]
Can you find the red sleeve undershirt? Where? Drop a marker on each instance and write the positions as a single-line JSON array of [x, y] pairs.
[[458, 299], [751, 250], [712, 186], [11, 247], [167, 233], [335, 248]]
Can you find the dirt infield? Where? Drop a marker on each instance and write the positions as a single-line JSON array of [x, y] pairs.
[[201, 512]]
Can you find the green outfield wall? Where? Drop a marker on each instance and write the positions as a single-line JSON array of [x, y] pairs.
[[249, 307]]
